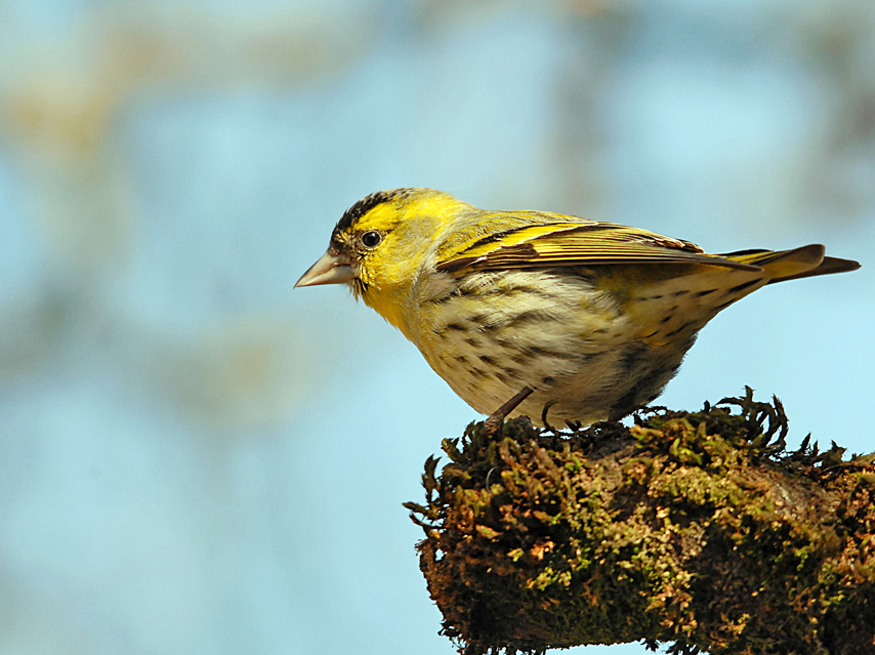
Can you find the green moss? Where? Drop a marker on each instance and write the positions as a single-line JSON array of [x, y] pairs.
[[696, 529]]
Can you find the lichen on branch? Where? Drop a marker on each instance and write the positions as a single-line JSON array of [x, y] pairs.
[[697, 529]]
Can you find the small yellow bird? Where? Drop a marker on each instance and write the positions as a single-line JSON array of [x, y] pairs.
[[594, 318]]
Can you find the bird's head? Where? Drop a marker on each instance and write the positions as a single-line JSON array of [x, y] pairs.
[[380, 244]]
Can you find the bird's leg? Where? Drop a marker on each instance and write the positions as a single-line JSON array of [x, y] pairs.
[[498, 415]]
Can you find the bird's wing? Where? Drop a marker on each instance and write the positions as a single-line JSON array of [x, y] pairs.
[[577, 244]]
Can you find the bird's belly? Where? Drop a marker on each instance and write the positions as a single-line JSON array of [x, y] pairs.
[[573, 346], [591, 386]]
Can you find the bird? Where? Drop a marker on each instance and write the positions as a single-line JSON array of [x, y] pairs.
[[529, 310]]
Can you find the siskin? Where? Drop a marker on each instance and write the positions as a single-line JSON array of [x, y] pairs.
[[593, 318]]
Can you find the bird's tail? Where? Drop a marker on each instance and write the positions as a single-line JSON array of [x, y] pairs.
[[782, 265]]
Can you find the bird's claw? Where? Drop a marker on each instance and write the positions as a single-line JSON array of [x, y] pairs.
[[495, 419]]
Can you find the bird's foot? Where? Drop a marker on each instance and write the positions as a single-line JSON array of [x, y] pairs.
[[495, 419]]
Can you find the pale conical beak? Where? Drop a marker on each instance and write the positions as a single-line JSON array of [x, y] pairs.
[[329, 269]]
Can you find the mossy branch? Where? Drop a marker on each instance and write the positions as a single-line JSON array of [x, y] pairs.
[[696, 529]]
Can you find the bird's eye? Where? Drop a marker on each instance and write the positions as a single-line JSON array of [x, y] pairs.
[[371, 239]]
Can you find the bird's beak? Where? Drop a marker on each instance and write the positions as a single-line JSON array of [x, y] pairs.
[[329, 269]]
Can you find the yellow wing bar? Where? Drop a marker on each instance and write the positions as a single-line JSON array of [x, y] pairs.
[[579, 244]]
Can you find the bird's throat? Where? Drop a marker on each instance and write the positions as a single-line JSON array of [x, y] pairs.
[[388, 303]]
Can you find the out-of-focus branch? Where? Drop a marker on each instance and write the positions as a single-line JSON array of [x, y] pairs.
[[698, 529]]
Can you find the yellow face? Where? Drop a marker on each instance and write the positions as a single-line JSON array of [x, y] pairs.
[[380, 243]]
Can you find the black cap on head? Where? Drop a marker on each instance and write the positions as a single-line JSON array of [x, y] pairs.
[[353, 214]]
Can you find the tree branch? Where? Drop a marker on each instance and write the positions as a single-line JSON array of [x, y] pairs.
[[698, 529]]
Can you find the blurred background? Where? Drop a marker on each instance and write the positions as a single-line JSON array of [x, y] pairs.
[[194, 458]]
